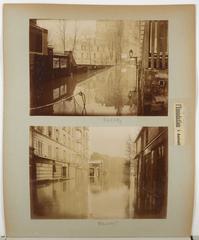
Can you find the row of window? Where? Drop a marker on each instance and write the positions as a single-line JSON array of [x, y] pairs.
[[151, 160], [59, 154], [65, 137], [87, 55], [147, 135], [40, 150], [59, 62], [89, 47]]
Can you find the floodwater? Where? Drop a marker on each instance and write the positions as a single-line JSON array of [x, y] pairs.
[[108, 201], [61, 199], [86, 197], [109, 92]]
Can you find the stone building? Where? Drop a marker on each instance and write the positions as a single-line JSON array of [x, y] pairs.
[[58, 152], [99, 49]]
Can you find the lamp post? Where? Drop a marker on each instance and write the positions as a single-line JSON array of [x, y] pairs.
[[137, 88], [132, 57]]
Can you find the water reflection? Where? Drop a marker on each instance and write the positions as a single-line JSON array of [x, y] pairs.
[[110, 92], [107, 201], [95, 197], [65, 199]]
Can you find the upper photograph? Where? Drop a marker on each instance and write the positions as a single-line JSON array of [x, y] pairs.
[[98, 67]]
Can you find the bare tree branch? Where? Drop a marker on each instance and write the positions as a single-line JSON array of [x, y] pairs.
[[75, 37], [62, 32]]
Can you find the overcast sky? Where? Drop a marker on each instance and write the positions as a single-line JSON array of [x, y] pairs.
[[111, 140], [84, 27]]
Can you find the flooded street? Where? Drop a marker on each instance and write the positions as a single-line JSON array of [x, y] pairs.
[[108, 202], [94, 198], [109, 92], [61, 199]]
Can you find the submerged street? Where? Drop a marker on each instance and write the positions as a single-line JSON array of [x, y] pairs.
[[111, 68], [95, 173], [109, 92], [94, 198]]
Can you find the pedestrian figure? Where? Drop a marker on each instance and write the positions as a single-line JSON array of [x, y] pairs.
[[132, 101], [132, 97]]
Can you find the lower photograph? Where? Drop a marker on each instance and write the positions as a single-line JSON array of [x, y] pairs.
[[98, 172]]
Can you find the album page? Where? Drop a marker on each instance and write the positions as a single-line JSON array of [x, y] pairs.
[[99, 107]]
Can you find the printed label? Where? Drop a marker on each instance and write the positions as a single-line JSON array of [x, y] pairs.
[[179, 124]]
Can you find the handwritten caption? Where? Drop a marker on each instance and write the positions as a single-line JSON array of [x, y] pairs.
[[113, 120], [104, 223]]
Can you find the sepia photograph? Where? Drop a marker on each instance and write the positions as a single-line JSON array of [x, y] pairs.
[[98, 67], [98, 172], [103, 101]]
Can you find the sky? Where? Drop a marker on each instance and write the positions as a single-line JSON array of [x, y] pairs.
[[111, 140], [83, 28]]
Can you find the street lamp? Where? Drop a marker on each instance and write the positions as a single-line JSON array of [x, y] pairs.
[[132, 57], [131, 53], [137, 88]]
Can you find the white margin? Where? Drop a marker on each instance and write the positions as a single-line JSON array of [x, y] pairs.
[[195, 226], [2, 225]]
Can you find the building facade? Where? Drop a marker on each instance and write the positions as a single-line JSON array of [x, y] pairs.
[[151, 172], [101, 48], [58, 152], [153, 68], [49, 72], [96, 168]]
